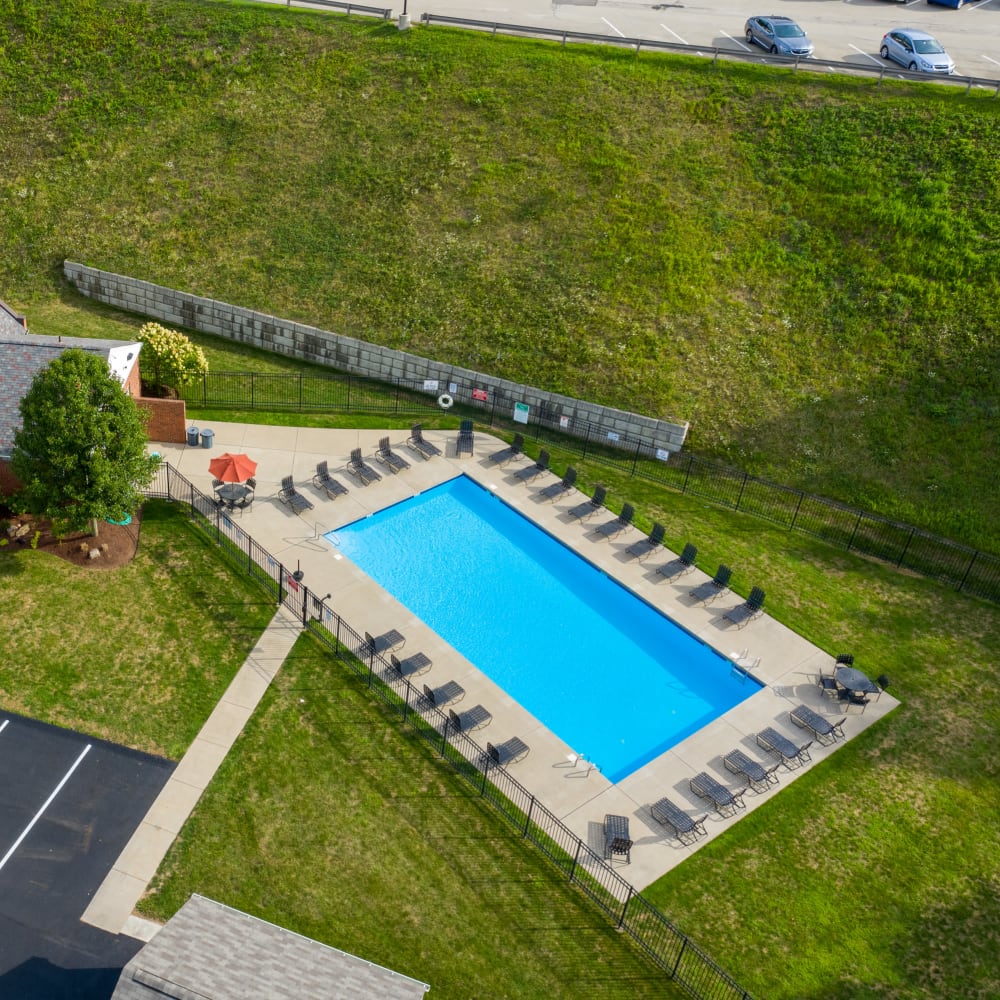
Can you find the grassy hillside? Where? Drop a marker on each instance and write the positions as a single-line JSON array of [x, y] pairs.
[[804, 267]]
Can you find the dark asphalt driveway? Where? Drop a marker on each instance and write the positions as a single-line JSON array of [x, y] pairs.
[[68, 805]]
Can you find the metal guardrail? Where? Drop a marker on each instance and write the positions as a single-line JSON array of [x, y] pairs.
[[565, 35], [685, 963], [351, 8]]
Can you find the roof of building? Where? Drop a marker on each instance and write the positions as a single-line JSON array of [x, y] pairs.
[[208, 951], [24, 355]]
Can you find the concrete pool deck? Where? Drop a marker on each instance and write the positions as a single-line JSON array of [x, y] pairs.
[[784, 662]]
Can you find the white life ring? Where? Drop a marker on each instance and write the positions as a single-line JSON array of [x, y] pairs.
[[445, 401]]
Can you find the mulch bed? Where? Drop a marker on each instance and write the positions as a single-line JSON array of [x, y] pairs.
[[116, 543]]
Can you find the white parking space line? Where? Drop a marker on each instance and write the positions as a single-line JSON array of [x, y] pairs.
[[736, 41], [994, 61], [670, 31], [3, 725], [612, 27], [867, 55], [48, 802]]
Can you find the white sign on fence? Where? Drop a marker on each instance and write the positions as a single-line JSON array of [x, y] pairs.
[[521, 411]]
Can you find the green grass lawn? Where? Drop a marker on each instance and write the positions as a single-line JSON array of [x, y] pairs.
[[726, 244], [888, 851]]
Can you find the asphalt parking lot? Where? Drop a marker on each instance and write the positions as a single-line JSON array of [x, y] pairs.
[[847, 31], [68, 805]]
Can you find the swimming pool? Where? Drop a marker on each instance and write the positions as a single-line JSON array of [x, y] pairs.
[[600, 668]]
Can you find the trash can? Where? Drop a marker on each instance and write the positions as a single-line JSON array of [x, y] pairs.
[[206, 438], [193, 437]]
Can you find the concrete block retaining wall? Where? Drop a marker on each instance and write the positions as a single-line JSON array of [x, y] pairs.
[[357, 356]]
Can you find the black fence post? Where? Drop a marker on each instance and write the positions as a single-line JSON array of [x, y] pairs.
[[300, 390], [444, 735], [906, 547], [854, 533], [576, 858], [687, 473], [968, 570], [586, 440], [635, 458], [795, 516], [527, 818], [628, 899], [680, 955], [743, 486]]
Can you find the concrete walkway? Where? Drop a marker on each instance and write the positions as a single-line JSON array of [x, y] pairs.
[[114, 901]]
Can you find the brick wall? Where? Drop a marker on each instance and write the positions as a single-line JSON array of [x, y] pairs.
[[167, 419], [9, 483], [356, 356]]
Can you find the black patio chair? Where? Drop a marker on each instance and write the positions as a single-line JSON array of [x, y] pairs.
[[686, 828], [418, 443], [615, 527], [790, 755], [323, 480], [439, 697], [616, 837], [512, 451], [533, 471], [823, 729], [758, 777], [472, 718], [361, 470], [508, 752], [653, 541], [589, 507], [291, 497], [412, 666], [746, 612], [385, 642], [393, 461], [726, 802], [466, 439], [684, 563], [711, 589], [556, 490]]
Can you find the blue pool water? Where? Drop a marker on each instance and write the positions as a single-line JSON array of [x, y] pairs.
[[599, 667]]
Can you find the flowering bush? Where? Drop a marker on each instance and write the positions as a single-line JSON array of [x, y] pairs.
[[168, 357]]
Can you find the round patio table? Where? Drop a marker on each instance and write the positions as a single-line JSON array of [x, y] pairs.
[[854, 680]]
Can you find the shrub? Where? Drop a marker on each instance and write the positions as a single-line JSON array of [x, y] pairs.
[[168, 357]]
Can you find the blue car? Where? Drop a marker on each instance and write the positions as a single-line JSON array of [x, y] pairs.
[[778, 34], [955, 4]]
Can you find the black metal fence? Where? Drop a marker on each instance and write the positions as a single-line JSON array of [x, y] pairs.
[[684, 961], [901, 545]]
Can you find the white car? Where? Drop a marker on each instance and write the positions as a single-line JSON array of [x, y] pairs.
[[916, 50]]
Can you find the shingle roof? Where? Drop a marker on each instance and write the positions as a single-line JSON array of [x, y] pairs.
[[22, 357], [208, 950]]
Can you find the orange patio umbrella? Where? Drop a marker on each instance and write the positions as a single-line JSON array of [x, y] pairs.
[[232, 468]]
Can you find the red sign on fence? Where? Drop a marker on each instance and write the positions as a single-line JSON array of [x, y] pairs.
[[481, 394]]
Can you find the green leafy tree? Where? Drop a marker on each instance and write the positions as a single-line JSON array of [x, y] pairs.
[[80, 453], [168, 357]]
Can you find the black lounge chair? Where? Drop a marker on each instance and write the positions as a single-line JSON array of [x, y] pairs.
[[385, 642], [758, 777], [684, 563], [532, 471], [472, 718], [438, 697], [361, 470], [650, 543], [726, 802], [686, 828], [590, 507], [418, 443], [711, 589], [512, 451], [823, 729], [418, 663], [324, 481], [790, 755], [611, 528], [751, 608], [616, 837], [393, 462], [556, 490], [508, 752], [290, 496], [466, 439]]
